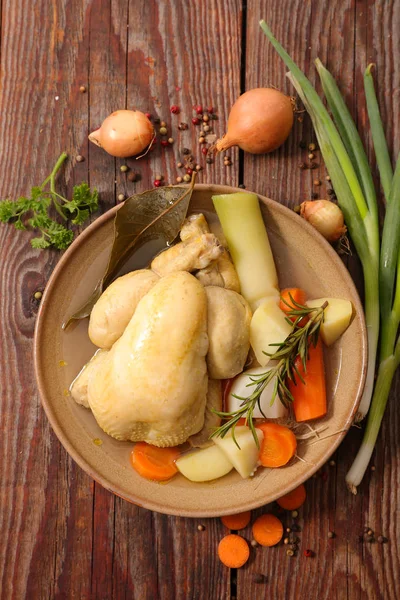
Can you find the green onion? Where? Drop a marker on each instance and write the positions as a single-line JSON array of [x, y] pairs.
[[360, 214], [378, 134]]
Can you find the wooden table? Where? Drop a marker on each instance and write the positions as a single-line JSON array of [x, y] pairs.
[[62, 535]]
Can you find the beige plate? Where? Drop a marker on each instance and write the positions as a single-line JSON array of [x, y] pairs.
[[302, 257]]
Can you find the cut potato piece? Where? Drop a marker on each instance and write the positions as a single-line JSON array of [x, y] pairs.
[[268, 326], [248, 243], [245, 458], [337, 317], [204, 465], [240, 387]]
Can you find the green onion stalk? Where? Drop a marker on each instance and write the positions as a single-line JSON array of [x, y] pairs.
[[351, 177]]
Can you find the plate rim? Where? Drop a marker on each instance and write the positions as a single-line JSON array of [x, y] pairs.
[[47, 405]]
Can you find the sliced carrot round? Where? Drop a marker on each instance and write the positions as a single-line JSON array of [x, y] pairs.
[[233, 551], [238, 521], [278, 446], [154, 463], [293, 499], [267, 530]]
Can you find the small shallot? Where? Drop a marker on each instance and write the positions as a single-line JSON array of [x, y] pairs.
[[259, 122], [326, 217], [124, 133]]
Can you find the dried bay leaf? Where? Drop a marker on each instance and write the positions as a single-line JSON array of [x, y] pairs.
[[156, 214]]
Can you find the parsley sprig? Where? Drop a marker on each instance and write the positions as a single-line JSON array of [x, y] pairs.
[[33, 211]]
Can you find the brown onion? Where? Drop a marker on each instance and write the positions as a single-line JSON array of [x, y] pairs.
[[326, 217], [124, 133], [259, 121]]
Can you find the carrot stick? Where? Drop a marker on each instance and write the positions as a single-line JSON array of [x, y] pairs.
[[236, 522], [267, 530], [278, 446], [309, 398], [154, 463], [293, 499], [287, 297], [233, 551]]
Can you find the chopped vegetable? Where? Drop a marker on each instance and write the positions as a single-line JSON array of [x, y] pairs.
[[290, 298], [326, 217], [337, 317], [157, 464], [124, 133], [278, 446], [238, 521], [308, 386], [259, 121], [242, 386], [294, 499], [267, 530], [233, 551], [36, 207], [268, 328], [205, 464], [242, 451], [247, 239]]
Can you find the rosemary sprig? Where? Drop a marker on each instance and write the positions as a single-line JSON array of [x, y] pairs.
[[296, 344]]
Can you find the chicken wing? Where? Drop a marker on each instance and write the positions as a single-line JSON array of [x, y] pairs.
[[195, 253]]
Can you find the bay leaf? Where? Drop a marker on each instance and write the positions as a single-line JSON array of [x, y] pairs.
[[156, 214]]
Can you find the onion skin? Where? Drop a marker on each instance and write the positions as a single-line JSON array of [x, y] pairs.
[[326, 217], [124, 133], [259, 122]]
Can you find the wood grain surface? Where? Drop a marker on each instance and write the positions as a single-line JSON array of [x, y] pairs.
[[64, 536]]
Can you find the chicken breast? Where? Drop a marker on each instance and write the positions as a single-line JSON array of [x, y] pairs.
[[79, 387], [211, 420], [195, 253], [228, 327], [115, 307], [152, 386]]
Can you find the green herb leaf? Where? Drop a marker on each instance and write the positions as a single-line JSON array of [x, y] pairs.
[[155, 214]]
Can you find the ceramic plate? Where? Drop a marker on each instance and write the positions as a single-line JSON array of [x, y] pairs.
[[303, 258]]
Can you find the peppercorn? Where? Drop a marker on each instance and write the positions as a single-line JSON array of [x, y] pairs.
[[189, 171], [382, 539], [290, 552], [206, 118], [200, 527], [163, 124], [198, 109], [80, 158], [331, 534], [164, 143], [327, 178], [171, 140], [214, 117], [186, 177], [295, 514], [148, 115], [311, 147], [163, 130], [311, 156], [123, 168], [179, 180], [198, 167], [300, 119], [204, 150], [206, 128], [121, 197], [158, 177], [286, 540], [175, 109], [195, 121], [373, 468], [254, 543], [313, 165], [157, 183], [132, 176], [183, 126], [332, 463], [308, 553], [209, 160], [185, 151], [37, 295], [259, 578], [293, 546], [316, 182], [202, 140], [210, 109], [242, 186], [288, 529], [82, 89], [302, 166], [179, 165]]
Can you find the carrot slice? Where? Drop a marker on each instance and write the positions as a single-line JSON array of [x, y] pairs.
[[236, 522], [233, 551], [309, 398], [267, 530], [287, 297], [154, 463], [293, 499], [278, 446]]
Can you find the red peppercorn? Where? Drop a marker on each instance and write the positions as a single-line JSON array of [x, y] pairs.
[[210, 109], [308, 553], [165, 143], [189, 171], [148, 115], [204, 150], [198, 109], [175, 109], [195, 121], [157, 183]]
